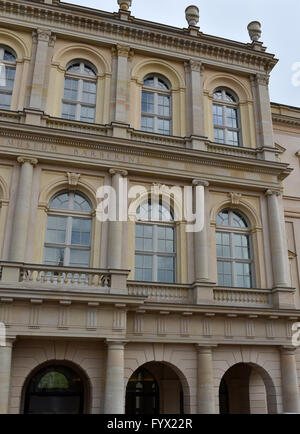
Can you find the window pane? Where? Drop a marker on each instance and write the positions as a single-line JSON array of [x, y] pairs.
[[224, 274], [243, 275], [56, 229], [81, 231], [149, 81], [164, 126], [81, 204], [166, 268], [71, 88], [79, 258], [147, 102], [143, 240], [231, 117], [54, 256], [68, 111], [75, 68], [163, 105], [143, 268], [87, 114], [223, 245], [7, 77], [219, 135], [232, 138], [147, 124], [238, 221], [161, 84], [218, 94], [241, 243], [218, 114], [223, 218], [9, 57], [88, 70], [60, 202], [89, 92], [5, 100]]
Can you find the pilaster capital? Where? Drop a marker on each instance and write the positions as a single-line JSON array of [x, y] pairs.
[[120, 172], [123, 50], [42, 35], [269, 193], [31, 160], [9, 343], [113, 344], [262, 79], [194, 65], [205, 349], [288, 350], [200, 182]]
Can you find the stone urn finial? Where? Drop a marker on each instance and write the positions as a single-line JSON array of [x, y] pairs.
[[124, 4], [192, 15], [254, 30]]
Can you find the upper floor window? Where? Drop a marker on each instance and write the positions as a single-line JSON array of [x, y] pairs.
[[226, 118], [79, 99], [7, 76], [68, 235], [156, 105], [234, 252], [155, 247]]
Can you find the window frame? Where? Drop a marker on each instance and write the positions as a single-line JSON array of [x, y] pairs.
[[81, 77], [224, 105], [70, 215], [156, 91], [233, 260], [12, 65]]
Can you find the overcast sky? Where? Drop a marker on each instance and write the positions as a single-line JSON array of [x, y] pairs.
[[229, 19]]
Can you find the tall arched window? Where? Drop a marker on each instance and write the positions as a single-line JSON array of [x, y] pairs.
[[226, 118], [79, 100], [234, 250], [7, 76], [68, 235], [155, 247], [156, 105]]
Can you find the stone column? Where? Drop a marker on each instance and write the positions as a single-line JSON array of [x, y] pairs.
[[289, 379], [115, 231], [44, 40], [278, 253], [5, 375], [263, 116], [194, 103], [206, 393], [114, 400], [201, 251], [22, 209]]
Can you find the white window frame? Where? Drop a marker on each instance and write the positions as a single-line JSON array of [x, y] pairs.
[[80, 77], [232, 230], [3, 65], [69, 214], [156, 91], [224, 104]]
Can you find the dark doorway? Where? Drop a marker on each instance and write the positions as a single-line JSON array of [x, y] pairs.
[[142, 395], [55, 390]]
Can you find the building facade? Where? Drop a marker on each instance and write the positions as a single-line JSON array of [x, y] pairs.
[[136, 315]]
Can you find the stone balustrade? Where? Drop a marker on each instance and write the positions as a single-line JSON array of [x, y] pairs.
[[162, 293], [242, 297]]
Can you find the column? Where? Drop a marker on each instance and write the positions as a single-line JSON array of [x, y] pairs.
[[278, 253], [22, 209], [114, 387], [5, 375], [44, 40], [201, 251], [206, 393], [263, 115], [289, 379], [115, 231]]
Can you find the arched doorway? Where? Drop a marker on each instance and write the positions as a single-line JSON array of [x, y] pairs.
[[247, 389], [54, 389], [154, 388]]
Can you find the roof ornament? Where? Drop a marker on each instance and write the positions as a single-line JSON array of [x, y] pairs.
[[192, 15], [124, 4], [254, 30]]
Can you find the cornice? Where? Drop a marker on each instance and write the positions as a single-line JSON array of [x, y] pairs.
[[286, 120], [67, 19], [126, 146]]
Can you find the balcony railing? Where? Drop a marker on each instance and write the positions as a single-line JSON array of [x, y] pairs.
[[162, 293], [242, 297]]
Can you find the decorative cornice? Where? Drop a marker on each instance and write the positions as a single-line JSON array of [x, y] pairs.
[[70, 19], [287, 120]]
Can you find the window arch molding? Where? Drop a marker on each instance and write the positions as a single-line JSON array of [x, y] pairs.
[[243, 206], [230, 82], [15, 43]]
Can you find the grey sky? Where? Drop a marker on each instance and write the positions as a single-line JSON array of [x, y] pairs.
[[229, 19]]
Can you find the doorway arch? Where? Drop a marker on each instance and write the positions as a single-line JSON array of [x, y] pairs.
[[55, 388], [247, 388], [155, 388]]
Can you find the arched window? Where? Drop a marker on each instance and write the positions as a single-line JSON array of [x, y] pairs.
[[234, 251], [156, 105], [79, 100], [226, 118], [7, 76], [55, 390], [68, 235], [155, 247], [142, 393]]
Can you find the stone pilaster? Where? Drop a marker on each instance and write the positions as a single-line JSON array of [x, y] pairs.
[[201, 253], [5, 375], [22, 209], [263, 116], [194, 104], [289, 378], [115, 231], [44, 42], [205, 395], [114, 400]]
